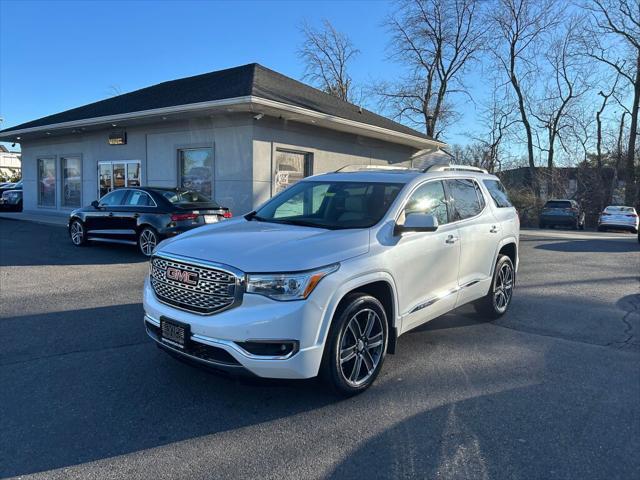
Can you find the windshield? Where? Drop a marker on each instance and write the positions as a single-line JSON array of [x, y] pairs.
[[185, 197], [558, 204], [332, 205]]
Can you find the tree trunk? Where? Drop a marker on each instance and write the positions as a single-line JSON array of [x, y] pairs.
[[630, 174]]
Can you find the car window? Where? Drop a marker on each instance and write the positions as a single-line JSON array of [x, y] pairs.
[[558, 204], [625, 210], [138, 198], [185, 197], [428, 198], [467, 199], [114, 198], [498, 193]]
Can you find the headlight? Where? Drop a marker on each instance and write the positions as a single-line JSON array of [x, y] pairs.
[[288, 286]]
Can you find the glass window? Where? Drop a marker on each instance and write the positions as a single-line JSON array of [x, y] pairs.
[[498, 193], [291, 167], [47, 182], [185, 197], [138, 198], [558, 204], [466, 197], [71, 168], [133, 174], [331, 205], [428, 198], [196, 170], [114, 198]]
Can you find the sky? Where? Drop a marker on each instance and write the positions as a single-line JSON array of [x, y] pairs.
[[56, 55]]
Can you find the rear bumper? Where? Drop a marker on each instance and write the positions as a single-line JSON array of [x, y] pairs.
[[558, 219], [632, 227]]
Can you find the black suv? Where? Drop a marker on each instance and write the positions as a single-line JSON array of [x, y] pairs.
[[566, 213], [143, 216]]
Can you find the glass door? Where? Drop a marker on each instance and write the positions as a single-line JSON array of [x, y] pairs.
[[112, 175]]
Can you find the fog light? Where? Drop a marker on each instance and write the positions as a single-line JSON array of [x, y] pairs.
[[271, 348]]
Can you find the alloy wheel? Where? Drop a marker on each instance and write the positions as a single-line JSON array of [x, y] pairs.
[[361, 347], [148, 242], [77, 233], [503, 288]]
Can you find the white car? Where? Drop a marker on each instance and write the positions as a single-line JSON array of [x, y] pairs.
[[325, 276], [618, 218]]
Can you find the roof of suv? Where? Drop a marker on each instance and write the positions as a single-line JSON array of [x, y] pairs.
[[405, 175]]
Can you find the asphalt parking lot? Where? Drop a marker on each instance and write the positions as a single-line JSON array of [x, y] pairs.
[[551, 390]]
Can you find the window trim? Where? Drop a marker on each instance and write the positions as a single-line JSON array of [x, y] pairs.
[[65, 157], [55, 183]]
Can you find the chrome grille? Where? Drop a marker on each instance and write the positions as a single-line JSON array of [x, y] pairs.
[[211, 290]]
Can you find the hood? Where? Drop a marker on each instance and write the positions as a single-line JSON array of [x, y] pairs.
[[258, 247]]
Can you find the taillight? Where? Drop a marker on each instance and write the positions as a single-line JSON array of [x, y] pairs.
[[632, 215], [178, 217], [227, 214]]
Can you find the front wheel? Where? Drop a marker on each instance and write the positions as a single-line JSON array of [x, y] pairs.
[[77, 233], [147, 241], [356, 345], [497, 301]]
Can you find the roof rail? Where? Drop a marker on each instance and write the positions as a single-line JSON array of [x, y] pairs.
[[451, 167], [359, 168]]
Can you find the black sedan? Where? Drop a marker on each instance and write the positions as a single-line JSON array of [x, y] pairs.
[[143, 216]]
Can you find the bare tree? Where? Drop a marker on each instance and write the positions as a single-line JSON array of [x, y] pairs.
[[436, 40], [616, 43], [566, 79], [326, 54], [520, 26]]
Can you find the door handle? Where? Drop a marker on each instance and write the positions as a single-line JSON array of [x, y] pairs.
[[451, 239], [136, 215], [493, 229], [111, 214]]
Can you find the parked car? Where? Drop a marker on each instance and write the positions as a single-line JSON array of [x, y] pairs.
[[325, 276], [618, 218], [143, 216], [566, 213], [11, 197]]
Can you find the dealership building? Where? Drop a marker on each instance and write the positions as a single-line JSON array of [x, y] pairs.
[[239, 135]]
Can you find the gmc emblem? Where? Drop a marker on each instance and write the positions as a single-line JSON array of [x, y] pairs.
[[182, 276]]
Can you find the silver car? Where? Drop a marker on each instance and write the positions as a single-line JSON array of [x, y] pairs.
[[618, 218]]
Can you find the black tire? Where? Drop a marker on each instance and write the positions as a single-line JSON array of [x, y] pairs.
[[542, 225], [490, 306], [346, 377], [148, 238], [77, 233], [602, 229], [575, 225]]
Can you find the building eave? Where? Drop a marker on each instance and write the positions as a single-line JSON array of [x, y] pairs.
[[239, 104]]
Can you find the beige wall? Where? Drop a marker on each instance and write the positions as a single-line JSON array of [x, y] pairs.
[[243, 147]]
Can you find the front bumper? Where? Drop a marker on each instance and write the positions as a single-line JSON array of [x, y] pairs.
[[256, 319]]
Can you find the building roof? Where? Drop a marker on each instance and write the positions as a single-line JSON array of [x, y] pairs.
[[247, 81]]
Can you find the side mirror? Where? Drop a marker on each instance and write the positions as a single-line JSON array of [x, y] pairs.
[[95, 204], [417, 222]]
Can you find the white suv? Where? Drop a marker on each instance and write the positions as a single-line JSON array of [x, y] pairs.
[[325, 276]]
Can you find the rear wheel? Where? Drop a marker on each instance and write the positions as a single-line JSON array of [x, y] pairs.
[[77, 233], [147, 241], [356, 345], [497, 301], [543, 225]]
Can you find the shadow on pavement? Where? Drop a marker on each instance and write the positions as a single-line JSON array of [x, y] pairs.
[[596, 246], [36, 244]]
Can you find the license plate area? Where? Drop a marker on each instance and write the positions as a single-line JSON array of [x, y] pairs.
[[174, 333], [210, 219]]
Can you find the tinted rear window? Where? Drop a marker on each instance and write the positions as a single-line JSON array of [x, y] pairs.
[[558, 204], [498, 193], [620, 210]]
